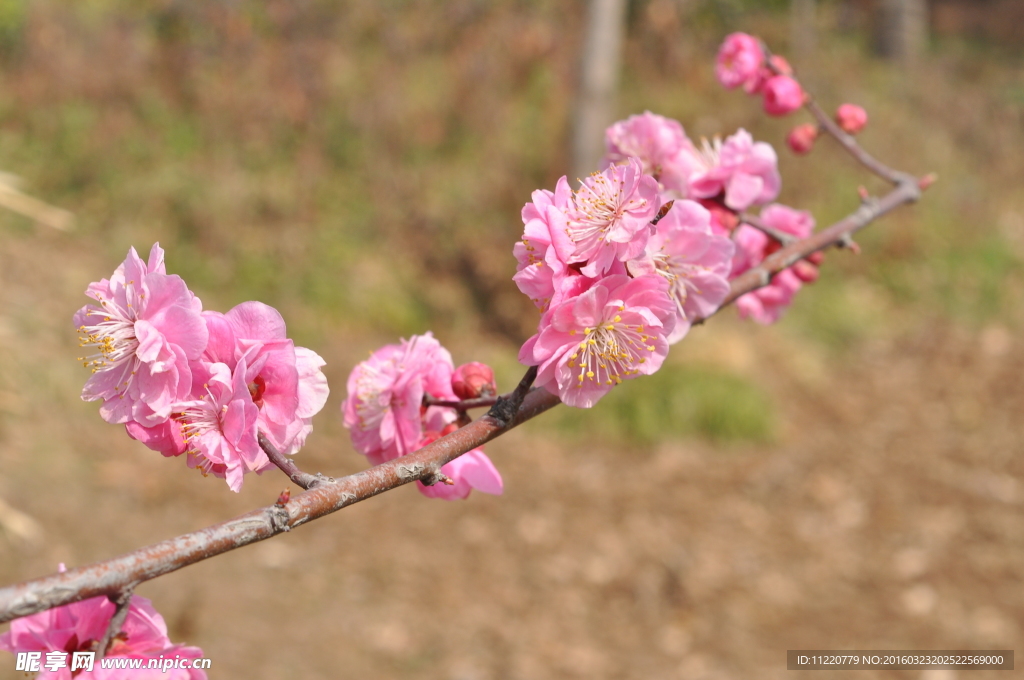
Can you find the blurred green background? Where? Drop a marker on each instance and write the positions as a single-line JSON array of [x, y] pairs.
[[361, 166]]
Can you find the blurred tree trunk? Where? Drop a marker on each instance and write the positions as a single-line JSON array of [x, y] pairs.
[[803, 29], [599, 76], [901, 28]]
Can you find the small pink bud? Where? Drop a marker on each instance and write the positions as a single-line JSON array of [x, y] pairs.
[[473, 380], [723, 220], [782, 95], [927, 181], [816, 257], [851, 118], [780, 65], [284, 497], [801, 138], [805, 271]]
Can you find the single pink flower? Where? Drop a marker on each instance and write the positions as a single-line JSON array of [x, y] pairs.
[[544, 250], [80, 626], [658, 142], [746, 171], [692, 259], [610, 217], [146, 329], [782, 96], [285, 381], [385, 394], [801, 138], [473, 380], [219, 426], [614, 331], [766, 305], [851, 118], [739, 61]]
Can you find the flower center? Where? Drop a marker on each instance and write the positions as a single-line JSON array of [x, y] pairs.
[[609, 352], [710, 153], [370, 407], [197, 418], [597, 207], [113, 335]]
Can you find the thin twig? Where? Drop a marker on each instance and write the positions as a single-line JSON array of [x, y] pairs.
[[505, 409], [288, 466], [461, 405], [121, 601], [114, 575], [836, 235], [759, 224], [846, 140]]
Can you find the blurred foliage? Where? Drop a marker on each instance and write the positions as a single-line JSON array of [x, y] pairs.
[[362, 165], [676, 402]]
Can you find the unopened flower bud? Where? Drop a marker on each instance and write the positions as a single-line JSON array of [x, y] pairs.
[[473, 380], [801, 138], [723, 220], [816, 258], [851, 118], [805, 271], [782, 95], [780, 64]]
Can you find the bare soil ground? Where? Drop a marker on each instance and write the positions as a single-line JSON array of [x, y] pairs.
[[885, 515]]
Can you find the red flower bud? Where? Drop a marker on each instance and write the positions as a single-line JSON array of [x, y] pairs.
[[781, 65], [805, 271], [851, 118], [721, 216], [473, 380], [816, 258], [801, 138], [782, 95]]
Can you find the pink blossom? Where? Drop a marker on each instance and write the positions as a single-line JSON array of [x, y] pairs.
[[782, 95], [851, 118], [766, 305], [658, 142], [81, 625], [614, 331], [692, 259], [385, 394], [385, 416], [723, 220], [746, 171], [610, 217], [801, 138], [473, 380], [146, 329], [739, 61], [471, 470], [543, 253], [285, 381]]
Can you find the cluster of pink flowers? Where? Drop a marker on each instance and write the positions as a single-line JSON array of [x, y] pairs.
[[386, 416], [185, 381], [741, 62], [620, 267], [60, 632], [766, 304]]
